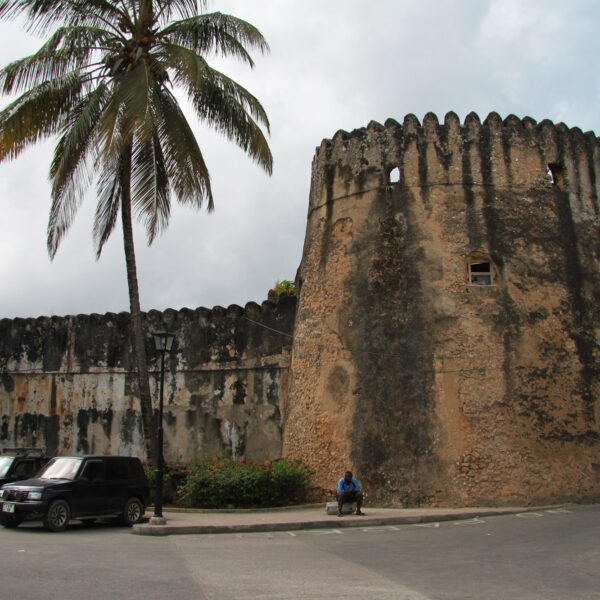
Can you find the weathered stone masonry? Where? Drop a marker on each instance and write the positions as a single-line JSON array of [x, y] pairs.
[[68, 384], [445, 336], [433, 389]]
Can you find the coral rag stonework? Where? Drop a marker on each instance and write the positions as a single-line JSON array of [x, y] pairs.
[[68, 384], [443, 343], [446, 338]]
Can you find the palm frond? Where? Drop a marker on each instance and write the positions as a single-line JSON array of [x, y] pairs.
[[37, 114], [70, 171], [69, 49], [45, 15], [216, 32], [129, 106], [108, 191], [199, 79], [133, 90], [130, 115], [150, 186], [187, 171], [183, 9], [222, 103], [231, 117]]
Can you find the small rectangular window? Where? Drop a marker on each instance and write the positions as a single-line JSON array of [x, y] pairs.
[[480, 273]]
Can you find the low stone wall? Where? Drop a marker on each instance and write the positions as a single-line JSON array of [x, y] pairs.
[[68, 384]]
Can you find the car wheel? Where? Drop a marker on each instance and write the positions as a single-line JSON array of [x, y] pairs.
[[133, 511], [57, 516], [11, 522]]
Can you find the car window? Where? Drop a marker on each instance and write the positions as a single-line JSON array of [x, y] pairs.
[[61, 468], [123, 468], [94, 470], [25, 468], [5, 462]]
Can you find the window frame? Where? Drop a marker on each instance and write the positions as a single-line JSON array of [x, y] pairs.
[[473, 274]]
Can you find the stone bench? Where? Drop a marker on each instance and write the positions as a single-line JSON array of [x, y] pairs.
[[347, 508]]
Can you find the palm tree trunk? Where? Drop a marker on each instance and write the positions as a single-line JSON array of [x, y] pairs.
[[139, 346]]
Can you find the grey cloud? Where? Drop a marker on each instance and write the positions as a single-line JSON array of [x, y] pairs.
[[333, 65]]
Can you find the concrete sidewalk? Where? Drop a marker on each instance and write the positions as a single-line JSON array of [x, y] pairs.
[[182, 522]]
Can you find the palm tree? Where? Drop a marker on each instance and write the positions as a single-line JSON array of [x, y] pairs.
[[104, 83]]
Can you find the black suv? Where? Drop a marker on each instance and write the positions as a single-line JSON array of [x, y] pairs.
[[80, 487], [20, 463]]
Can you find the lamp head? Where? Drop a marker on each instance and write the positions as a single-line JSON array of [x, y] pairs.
[[163, 341]]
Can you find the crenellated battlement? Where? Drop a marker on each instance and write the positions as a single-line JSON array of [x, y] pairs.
[[168, 315], [98, 341], [510, 153]]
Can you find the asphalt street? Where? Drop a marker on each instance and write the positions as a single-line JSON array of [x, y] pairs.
[[550, 555]]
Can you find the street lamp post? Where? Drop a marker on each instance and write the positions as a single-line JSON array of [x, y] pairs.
[[163, 341]]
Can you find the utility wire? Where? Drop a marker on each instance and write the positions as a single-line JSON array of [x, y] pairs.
[[267, 327]]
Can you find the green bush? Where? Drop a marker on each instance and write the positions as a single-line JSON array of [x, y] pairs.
[[218, 483], [285, 287]]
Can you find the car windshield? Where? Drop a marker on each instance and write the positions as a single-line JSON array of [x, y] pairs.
[[5, 462], [60, 468]]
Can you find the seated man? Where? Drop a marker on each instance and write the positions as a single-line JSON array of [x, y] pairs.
[[348, 490]]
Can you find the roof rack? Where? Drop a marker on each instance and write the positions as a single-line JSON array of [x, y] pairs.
[[23, 451]]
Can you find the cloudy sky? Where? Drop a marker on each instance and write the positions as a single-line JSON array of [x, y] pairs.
[[334, 64]]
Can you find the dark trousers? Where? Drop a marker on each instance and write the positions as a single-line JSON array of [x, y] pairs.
[[349, 497]]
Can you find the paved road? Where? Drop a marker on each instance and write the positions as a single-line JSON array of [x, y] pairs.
[[550, 555]]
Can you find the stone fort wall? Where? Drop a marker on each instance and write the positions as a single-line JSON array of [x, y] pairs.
[[446, 336], [68, 384]]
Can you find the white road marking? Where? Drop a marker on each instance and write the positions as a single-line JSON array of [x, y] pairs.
[[326, 532], [529, 515], [432, 525], [475, 521]]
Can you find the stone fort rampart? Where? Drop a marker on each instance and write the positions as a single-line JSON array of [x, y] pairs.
[[68, 384], [446, 337]]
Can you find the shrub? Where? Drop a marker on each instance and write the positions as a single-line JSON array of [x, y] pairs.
[[225, 483], [285, 287]]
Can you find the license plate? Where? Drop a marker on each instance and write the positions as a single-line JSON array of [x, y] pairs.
[[8, 507]]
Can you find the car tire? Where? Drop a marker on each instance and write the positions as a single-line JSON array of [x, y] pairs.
[[133, 511], [11, 522], [57, 516]]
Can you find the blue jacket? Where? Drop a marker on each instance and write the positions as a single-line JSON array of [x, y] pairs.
[[348, 487]]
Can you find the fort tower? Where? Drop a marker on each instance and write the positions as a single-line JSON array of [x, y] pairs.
[[446, 336]]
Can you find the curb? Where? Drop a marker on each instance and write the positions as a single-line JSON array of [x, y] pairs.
[[216, 511], [165, 530]]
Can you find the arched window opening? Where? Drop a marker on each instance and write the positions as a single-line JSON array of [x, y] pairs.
[[556, 173], [394, 176]]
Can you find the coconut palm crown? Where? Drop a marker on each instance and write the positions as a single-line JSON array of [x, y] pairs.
[[103, 83]]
